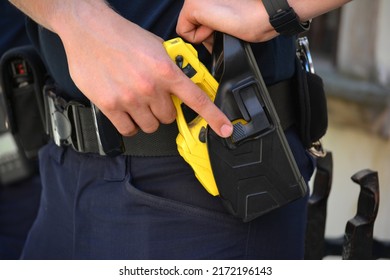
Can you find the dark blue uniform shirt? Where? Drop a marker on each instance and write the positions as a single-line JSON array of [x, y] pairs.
[[12, 27]]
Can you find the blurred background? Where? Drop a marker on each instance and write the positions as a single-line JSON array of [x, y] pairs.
[[351, 52]]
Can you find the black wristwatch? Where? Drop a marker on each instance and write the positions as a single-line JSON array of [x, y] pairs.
[[283, 18]]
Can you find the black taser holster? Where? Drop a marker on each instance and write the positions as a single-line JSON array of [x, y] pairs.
[[254, 169]]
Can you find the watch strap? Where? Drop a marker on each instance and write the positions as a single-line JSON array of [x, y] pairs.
[[273, 6], [283, 18]]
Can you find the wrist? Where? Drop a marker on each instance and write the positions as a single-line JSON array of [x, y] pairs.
[[74, 16], [261, 29]]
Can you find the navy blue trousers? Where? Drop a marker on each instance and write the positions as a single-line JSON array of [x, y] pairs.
[[18, 209], [126, 207]]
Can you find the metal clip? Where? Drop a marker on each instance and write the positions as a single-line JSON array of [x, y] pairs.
[[303, 52], [58, 124], [317, 149]]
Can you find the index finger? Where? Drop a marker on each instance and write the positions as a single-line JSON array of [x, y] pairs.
[[190, 94]]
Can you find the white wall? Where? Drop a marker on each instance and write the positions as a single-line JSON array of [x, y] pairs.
[[358, 38], [382, 53]]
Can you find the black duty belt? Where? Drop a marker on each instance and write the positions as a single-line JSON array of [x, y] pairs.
[[73, 124]]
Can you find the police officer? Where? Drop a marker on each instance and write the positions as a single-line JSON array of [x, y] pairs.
[[147, 203]]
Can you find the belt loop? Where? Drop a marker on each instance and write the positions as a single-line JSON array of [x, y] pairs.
[[110, 142], [73, 115]]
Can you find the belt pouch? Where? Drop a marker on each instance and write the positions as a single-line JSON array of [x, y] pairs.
[[22, 78], [311, 106]]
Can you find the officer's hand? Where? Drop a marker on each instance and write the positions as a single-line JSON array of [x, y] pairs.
[[126, 72], [246, 20]]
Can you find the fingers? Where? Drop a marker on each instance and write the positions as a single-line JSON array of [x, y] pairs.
[[142, 99], [148, 117], [193, 33], [209, 43], [142, 116], [122, 122], [164, 110]]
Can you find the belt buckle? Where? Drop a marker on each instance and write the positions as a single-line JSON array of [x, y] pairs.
[[63, 122], [57, 124]]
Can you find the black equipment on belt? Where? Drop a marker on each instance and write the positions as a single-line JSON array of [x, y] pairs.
[[22, 75], [254, 169]]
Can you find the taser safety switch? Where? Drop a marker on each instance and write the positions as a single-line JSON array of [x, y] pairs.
[[253, 171]]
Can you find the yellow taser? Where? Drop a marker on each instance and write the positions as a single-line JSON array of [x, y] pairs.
[[191, 140]]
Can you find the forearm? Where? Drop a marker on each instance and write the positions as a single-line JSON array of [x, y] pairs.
[[56, 15], [74, 21]]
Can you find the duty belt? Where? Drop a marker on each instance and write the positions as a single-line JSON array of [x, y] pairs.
[[72, 123]]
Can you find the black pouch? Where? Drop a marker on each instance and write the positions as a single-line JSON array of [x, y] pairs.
[[22, 78], [22, 132], [311, 106]]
